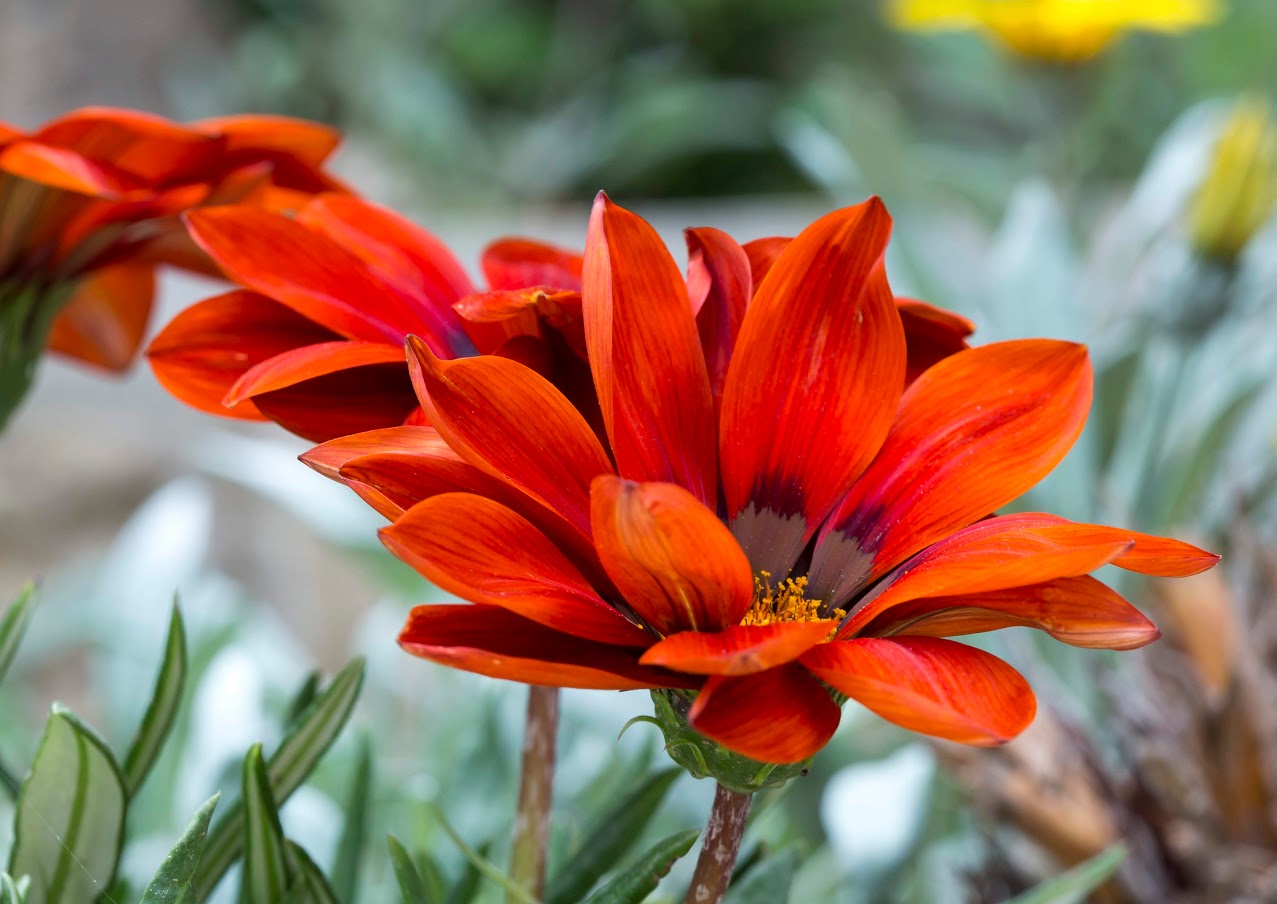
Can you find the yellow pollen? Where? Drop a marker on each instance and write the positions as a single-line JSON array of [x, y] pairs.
[[785, 602]]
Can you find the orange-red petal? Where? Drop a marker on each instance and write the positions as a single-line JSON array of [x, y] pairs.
[[519, 263], [330, 457], [736, 650], [671, 558], [148, 147], [1079, 611], [348, 401], [104, 320], [974, 432], [394, 468], [646, 356], [505, 418], [310, 142], [931, 334], [782, 715], [486, 553], [933, 686], [719, 287], [302, 268], [206, 348], [1160, 556], [996, 554], [813, 384], [64, 169], [762, 253], [492, 641], [402, 254], [311, 361]]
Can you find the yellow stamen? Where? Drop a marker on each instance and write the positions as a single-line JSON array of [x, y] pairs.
[[786, 602]]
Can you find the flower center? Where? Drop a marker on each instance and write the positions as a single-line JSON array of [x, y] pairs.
[[785, 602]]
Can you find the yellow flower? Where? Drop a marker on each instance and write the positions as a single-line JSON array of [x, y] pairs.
[[1239, 192], [1056, 31]]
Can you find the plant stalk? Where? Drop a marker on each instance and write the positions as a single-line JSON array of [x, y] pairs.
[[536, 789], [722, 843]]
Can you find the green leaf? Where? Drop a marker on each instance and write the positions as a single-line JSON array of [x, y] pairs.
[[768, 882], [160, 714], [304, 697], [467, 886], [13, 892], [1194, 469], [609, 837], [514, 891], [266, 874], [309, 884], [174, 882], [1072, 887], [351, 844], [411, 885], [69, 824], [432, 873], [288, 767], [640, 879], [14, 626]]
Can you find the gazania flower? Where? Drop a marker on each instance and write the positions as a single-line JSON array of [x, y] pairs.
[[314, 339], [762, 539], [89, 206], [1055, 31]]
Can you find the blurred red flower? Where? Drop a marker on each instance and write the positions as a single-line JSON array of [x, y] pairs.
[[770, 512], [89, 205]]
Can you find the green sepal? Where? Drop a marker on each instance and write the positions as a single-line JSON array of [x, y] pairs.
[[704, 758]]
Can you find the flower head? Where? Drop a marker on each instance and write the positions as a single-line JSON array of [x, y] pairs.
[[1056, 31], [314, 337], [769, 517], [90, 204]]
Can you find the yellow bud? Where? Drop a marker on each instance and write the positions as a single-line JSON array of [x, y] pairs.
[[1239, 192]]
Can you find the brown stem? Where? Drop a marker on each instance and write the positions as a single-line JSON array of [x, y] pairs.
[[722, 844], [536, 787]]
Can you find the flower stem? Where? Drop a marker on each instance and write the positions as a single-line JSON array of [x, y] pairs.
[[721, 845], [536, 788]]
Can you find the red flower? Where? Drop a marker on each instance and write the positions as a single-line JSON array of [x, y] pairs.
[[827, 528], [89, 206], [315, 338]]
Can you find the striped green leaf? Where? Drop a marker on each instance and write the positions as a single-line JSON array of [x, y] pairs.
[[287, 768], [309, 886], [13, 891], [161, 713], [1076, 885], [174, 882], [70, 815], [14, 626], [638, 880], [411, 885], [265, 877], [350, 847], [610, 835]]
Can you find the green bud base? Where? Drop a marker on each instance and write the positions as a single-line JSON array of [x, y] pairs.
[[704, 758]]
